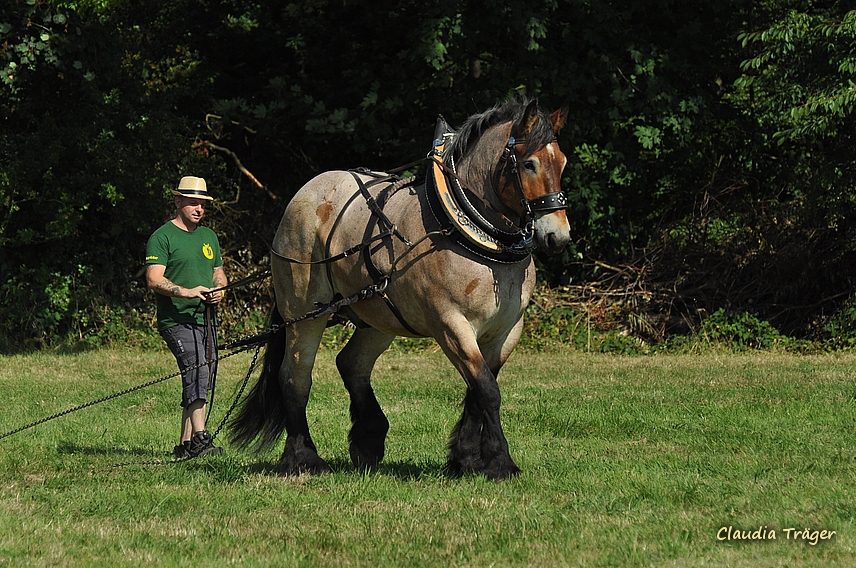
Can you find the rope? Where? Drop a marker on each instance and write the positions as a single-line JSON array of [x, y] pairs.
[[243, 282], [241, 345]]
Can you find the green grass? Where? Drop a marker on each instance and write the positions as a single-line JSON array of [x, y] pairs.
[[627, 461]]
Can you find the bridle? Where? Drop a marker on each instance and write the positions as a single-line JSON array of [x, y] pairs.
[[462, 221], [545, 204]]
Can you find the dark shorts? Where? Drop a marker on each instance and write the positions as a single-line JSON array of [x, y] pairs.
[[187, 343]]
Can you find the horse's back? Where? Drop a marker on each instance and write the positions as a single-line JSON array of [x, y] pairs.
[[429, 282], [311, 209]]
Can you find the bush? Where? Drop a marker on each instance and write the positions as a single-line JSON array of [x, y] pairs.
[[740, 331], [841, 327]]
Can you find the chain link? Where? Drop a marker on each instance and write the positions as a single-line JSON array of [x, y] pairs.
[[118, 394], [222, 423]]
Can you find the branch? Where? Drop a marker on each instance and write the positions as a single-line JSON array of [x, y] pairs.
[[231, 154]]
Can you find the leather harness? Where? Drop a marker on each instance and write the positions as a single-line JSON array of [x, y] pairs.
[[457, 217]]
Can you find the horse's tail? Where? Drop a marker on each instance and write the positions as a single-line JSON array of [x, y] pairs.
[[260, 420]]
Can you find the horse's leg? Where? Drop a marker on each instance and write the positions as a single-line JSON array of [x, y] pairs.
[[369, 425], [295, 379], [478, 443]]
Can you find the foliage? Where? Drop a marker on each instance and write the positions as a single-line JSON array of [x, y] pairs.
[[739, 331], [814, 53], [82, 184], [557, 320], [693, 125], [841, 327]]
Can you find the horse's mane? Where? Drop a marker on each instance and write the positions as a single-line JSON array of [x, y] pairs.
[[510, 110]]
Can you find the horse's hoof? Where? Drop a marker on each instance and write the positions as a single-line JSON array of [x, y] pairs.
[[315, 467], [460, 468], [462, 463], [364, 461], [453, 469], [501, 468], [301, 457]]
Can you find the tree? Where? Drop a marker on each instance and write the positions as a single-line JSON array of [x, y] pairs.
[[706, 175], [88, 152]]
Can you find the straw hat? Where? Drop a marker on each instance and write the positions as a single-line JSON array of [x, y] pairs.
[[193, 187]]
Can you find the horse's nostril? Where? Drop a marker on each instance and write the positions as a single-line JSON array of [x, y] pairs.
[[554, 242]]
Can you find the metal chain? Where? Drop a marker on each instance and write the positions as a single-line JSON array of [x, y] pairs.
[[240, 392], [219, 428], [118, 394]]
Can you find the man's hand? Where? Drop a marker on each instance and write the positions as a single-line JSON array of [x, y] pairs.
[[157, 282], [220, 280], [160, 284], [212, 296]]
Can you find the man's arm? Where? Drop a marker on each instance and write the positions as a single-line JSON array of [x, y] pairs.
[[220, 278], [160, 284], [219, 281]]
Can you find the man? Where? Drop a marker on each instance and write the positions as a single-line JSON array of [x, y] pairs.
[[184, 268]]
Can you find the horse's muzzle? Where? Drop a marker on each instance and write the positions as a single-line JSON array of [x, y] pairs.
[[552, 233]]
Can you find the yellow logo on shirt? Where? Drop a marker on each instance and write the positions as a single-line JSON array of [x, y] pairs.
[[208, 251]]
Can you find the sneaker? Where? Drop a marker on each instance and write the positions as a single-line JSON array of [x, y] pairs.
[[202, 445], [182, 450]]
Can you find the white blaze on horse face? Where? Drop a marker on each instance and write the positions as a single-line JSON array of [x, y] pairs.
[[552, 230], [557, 159], [551, 149]]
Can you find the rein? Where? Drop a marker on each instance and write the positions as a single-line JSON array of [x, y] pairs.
[[120, 393], [461, 222]]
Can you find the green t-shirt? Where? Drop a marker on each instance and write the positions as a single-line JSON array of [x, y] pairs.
[[190, 260]]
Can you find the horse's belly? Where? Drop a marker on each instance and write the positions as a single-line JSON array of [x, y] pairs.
[[443, 286]]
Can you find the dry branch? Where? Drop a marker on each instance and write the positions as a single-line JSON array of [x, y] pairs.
[[214, 147]]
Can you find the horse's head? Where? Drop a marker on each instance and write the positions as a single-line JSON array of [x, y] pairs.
[[509, 158], [529, 175]]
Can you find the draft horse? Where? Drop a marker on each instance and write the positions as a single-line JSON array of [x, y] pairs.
[[447, 257]]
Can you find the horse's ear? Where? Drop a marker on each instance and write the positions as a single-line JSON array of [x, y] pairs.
[[527, 121], [558, 118]]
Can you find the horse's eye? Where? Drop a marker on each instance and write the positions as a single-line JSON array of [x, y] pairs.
[[531, 166]]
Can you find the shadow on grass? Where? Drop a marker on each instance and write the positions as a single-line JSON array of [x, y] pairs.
[[406, 470], [403, 470], [228, 469], [68, 449]]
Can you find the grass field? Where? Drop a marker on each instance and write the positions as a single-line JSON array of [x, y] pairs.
[[627, 461]]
